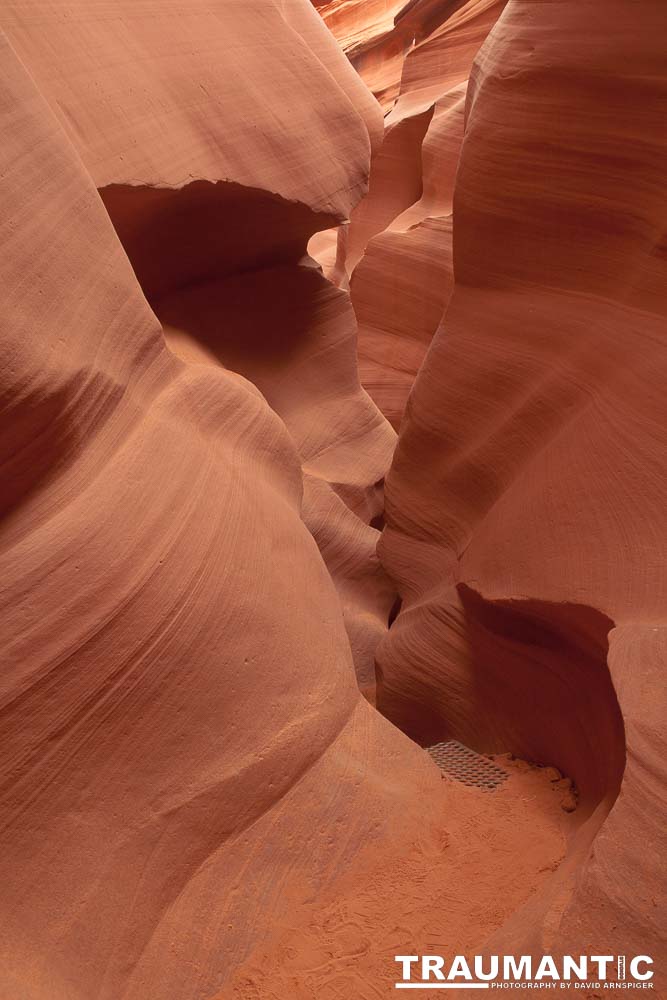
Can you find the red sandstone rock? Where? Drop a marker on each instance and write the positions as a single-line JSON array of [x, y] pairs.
[[367, 32], [398, 246], [195, 799], [179, 698], [526, 502]]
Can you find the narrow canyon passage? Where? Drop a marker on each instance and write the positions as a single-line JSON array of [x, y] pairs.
[[514, 678], [334, 506]]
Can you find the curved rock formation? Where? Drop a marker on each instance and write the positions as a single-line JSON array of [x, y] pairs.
[[198, 798], [279, 327], [367, 31], [179, 687], [398, 247], [209, 182], [526, 501]]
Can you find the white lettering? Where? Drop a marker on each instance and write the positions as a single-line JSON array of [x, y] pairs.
[[547, 967], [634, 967], [580, 969], [522, 969], [459, 968], [479, 967], [602, 963], [432, 964], [518, 970], [406, 961]]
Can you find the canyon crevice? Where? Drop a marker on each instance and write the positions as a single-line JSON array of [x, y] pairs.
[[334, 429]]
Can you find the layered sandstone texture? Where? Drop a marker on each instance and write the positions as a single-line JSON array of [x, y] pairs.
[[190, 470], [234, 608], [526, 504], [396, 253]]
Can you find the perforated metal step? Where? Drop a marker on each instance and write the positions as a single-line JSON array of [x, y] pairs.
[[466, 766]]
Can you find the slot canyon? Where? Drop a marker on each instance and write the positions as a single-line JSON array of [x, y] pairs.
[[333, 520]]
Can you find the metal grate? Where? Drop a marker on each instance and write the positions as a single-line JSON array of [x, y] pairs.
[[463, 764]]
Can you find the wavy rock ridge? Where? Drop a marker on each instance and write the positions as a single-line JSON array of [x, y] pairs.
[[198, 798], [179, 675], [530, 464]]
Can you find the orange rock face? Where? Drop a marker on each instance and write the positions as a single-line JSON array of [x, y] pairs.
[[367, 31], [398, 249], [236, 607], [526, 501], [178, 668]]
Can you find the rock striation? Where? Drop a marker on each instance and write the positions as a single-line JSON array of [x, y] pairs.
[[236, 606], [179, 684], [526, 500], [397, 251]]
